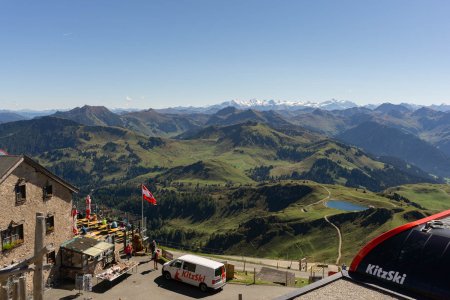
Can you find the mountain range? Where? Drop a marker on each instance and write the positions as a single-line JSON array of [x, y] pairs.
[[260, 174], [417, 138], [252, 151]]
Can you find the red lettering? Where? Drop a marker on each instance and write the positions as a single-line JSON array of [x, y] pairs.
[[196, 277]]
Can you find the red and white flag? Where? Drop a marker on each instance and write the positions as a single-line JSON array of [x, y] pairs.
[[147, 195]]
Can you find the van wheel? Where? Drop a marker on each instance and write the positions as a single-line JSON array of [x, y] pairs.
[[167, 276], [203, 287]]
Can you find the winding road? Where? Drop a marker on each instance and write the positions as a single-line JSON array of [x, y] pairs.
[[340, 239], [331, 223], [328, 221]]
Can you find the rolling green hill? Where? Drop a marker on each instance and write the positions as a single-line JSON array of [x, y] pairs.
[[434, 197], [96, 155], [241, 189], [284, 219]]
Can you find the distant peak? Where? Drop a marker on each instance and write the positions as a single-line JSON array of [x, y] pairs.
[[227, 110]]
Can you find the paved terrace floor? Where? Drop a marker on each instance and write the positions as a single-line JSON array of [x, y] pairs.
[[147, 283]]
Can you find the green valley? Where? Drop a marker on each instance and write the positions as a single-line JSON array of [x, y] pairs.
[[247, 188]]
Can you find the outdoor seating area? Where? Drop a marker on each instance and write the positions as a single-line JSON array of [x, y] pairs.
[[96, 248], [100, 229]]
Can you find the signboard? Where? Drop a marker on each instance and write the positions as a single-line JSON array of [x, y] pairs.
[[79, 282], [87, 281], [83, 282]]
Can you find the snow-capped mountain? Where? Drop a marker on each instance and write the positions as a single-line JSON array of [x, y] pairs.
[[263, 105], [288, 105]]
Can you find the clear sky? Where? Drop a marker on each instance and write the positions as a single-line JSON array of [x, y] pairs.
[[62, 54]]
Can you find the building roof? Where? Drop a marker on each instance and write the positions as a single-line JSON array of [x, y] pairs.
[[86, 245], [341, 286], [8, 163], [201, 261]]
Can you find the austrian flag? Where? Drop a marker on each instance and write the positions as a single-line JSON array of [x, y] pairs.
[[147, 195]]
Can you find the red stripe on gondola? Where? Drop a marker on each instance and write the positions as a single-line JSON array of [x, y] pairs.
[[378, 240]]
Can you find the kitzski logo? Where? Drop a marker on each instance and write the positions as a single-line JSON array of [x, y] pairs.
[[387, 275]]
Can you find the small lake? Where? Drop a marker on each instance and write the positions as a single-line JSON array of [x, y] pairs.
[[344, 205]]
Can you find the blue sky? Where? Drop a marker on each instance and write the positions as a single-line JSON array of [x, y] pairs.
[[62, 54]]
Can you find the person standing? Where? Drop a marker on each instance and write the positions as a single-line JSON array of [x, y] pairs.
[[153, 247], [155, 259], [128, 250]]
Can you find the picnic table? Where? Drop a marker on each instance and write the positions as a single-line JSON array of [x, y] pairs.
[[112, 230], [117, 271]]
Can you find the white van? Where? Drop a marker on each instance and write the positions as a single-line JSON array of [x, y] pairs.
[[202, 272]]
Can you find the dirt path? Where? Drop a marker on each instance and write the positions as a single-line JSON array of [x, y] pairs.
[[340, 239], [321, 200], [337, 228]]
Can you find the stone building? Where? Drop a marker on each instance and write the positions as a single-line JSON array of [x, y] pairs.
[[26, 188]]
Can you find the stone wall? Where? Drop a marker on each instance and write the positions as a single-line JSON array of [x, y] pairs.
[[59, 205]]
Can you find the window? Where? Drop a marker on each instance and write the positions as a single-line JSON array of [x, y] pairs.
[[47, 191], [72, 259], [189, 267], [12, 237], [177, 264], [21, 191], [218, 271], [49, 224], [51, 257]]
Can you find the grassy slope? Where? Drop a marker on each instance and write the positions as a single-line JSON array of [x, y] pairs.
[[320, 243], [434, 197]]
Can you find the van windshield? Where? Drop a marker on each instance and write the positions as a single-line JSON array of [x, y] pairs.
[[176, 264], [218, 272]]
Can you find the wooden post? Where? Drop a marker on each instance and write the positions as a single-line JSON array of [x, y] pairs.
[[16, 295], [254, 275], [286, 278], [140, 228], [38, 282], [3, 291], [244, 265], [22, 288], [240, 297]]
